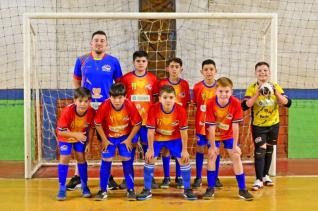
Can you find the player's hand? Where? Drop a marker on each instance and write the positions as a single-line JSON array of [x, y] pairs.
[[185, 156], [80, 136], [212, 151], [128, 144], [149, 155], [105, 144], [273, 87], [237, 149]]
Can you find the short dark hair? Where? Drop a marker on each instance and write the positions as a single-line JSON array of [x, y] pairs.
[[261, 63], [99, 32], [224, 82], [82, 92], [140, 54], [168, 89], [117, 89], [208, 61], [176, 60]]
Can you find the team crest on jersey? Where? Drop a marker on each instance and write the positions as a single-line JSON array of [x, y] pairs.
[[148, 86], [182, 95], [96, 93], [175, 123], [106, 68], [126, 118], [229, 116]]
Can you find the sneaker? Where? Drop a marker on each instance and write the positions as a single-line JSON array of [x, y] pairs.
[[244, 194], [112, 185], [189, 195], [197, 183], [74, 183], [218, 183], [179, 182], [165, 183], [61, 195], [101, 195], [267, 181], [257, 185], [131, 195], [86, 192], [154, 185], [209, 194], [123, 185], [144, 195]]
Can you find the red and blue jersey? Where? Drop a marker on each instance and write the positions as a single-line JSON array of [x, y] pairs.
[[182, 90], [97, 75], [141, 91], [202, 93], [167, 125], [223, 117], [117, 123], [71, 121]]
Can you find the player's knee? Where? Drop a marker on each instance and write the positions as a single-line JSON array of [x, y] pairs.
[[125, 158], [235, 157], [64, 159], [108, 159], [259, 152]]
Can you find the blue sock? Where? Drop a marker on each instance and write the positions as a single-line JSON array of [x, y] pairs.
[[211, 178], [199, 163], [166, 166], [148, 175], [186, 175], [241, 181], [144, 148], [128, 174], [178, 171], [82, 170], [104, 174], [133, 152], [217, 165], [62, 172]]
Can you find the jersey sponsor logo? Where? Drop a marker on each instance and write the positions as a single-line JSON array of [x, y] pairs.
[[223, 126], [63, 148], [96, 93], [106, 68], [203, 108], [117, 129], [175, 123], [140, 98], [266, 102], [165, 132]]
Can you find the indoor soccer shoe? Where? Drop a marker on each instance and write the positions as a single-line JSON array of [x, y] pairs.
[[209, 194], [189, 195], [123, 185], [244, 194], [74, 183], [144, 195], [101, 195], [179, 182], [154, 185], [218, 183], [61, 195], [112, 185], [257, 185], [197, 183], [267, 181], [131, 195], [86, 192], [165, 183]]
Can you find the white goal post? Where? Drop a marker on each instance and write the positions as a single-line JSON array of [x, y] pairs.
[[30, 70]]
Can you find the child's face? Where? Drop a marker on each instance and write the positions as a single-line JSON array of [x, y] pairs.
[[208, 71], [141, 63], [99, 43], [117, 101], [174, 69], [223, 93], [167, 99], [262, 73], [82, 104]]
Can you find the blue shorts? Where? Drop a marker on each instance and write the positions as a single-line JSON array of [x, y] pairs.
[[142, 134], [66, 148], [111, 149], [202, 140], [174, 146], [228, 144]]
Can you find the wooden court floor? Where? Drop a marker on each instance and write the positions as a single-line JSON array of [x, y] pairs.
[[289, 193]]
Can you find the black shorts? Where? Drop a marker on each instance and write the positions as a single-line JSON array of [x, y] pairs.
[[265, 135]]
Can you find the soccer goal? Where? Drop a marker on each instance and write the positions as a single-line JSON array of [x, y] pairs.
[[52, 41]]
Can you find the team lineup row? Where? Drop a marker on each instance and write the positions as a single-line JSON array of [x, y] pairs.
[[127, 112]]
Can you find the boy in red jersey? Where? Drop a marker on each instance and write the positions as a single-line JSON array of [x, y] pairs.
[[167, 128], [224, 113], [142, 87], [203, 91], [182, 90], [117, 121], [74, 131]]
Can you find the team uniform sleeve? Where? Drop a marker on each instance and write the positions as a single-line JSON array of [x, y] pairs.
[[93, 113], [183, 122], [100, 114], [210, 118], [135, 118], [151, 121], [250, 91], [195, 90], [155, 90], [238, 112], [279, 89], [77, 75], [64, 121], [187, 90], [118, 72]]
